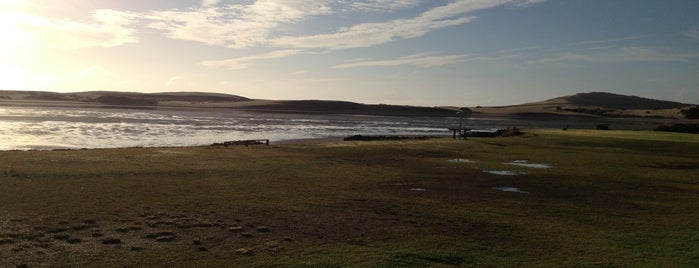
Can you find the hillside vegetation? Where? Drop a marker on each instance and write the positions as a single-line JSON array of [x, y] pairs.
[[594, 104], [597, 104]]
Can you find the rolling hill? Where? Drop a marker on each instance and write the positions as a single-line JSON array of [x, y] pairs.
[[593, 104], [199, 100]]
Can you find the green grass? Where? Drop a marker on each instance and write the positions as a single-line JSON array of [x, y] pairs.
[[611, 198]]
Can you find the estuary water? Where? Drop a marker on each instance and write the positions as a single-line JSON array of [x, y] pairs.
[[42, 128], [25, 128]]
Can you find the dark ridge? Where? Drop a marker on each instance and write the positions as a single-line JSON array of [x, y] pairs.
[[125, 100], [174, 96], [345, 107], [616, 101], [197, 97]]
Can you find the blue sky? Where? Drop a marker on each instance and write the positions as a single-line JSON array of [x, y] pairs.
[[416, 52]]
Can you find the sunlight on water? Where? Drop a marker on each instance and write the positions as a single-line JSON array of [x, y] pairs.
[[51, 128]]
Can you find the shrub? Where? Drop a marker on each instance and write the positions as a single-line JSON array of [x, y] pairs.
[[691, 113], [683, 128]]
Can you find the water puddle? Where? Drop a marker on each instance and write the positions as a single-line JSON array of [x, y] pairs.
[[461, 160], [525, 163], [418, 189], [510, 189], [504, 172]]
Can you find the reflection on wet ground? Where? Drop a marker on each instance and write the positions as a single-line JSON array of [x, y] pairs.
[[510, 189], [525, 163], [503, 172], [461, 160]]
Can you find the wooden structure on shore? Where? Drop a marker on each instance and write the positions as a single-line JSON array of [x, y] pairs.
[[461, 132], [243, 142]]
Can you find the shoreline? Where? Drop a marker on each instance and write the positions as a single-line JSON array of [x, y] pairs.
[[299, 141]]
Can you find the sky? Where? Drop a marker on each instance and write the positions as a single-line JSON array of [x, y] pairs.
[[410, 52]]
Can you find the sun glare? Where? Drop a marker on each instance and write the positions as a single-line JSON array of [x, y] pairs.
[[18, 48], [11, 2]]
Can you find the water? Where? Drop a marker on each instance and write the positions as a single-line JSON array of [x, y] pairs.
[[525, 163], [510, 189], [23, 128]]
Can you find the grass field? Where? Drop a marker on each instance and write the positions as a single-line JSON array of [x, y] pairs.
[[609, 198]]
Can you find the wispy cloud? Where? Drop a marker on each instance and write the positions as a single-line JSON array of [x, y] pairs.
[[421, 60], [261, 22], [628, 54], [599, 42], [368, 34], [373, 34], [94, 72], [208, 3], [381, 5], [244, 62], [109, 28], [693, 33], [234, 25], [255, 23], [299, 72], [172, 80]]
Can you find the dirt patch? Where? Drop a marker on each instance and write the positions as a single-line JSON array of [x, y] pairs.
[[141, 232]]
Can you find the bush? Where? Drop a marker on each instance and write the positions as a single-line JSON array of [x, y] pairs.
[[512, 131], [683, 128], [691, 113]]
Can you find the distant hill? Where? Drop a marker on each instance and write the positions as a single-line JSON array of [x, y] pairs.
[[615, 101], [596, 104], [345, 107], [593, 104], [119, 98], [199, 100]]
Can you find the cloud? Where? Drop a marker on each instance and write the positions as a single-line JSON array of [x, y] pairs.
[[244, 62], [234, 26], [368, 34], [94, 72], [627, 54], [208, 3], [693, 33], [266, 22], [108, 29], [421, 60], [373, 34], [381, 5], [299, 72], [530, 2], [602, 41], [172, 80]]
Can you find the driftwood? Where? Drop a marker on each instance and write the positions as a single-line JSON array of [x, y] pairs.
[[243, 142]]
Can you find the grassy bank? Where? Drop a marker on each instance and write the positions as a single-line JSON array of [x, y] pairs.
[[609, 198]]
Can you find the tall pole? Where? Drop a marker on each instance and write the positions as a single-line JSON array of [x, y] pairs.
[[461, 121]]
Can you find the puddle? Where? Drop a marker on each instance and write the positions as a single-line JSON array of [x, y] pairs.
[[461, 160], [510, 189], [504, 172], [418, 189], [525, 163]]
